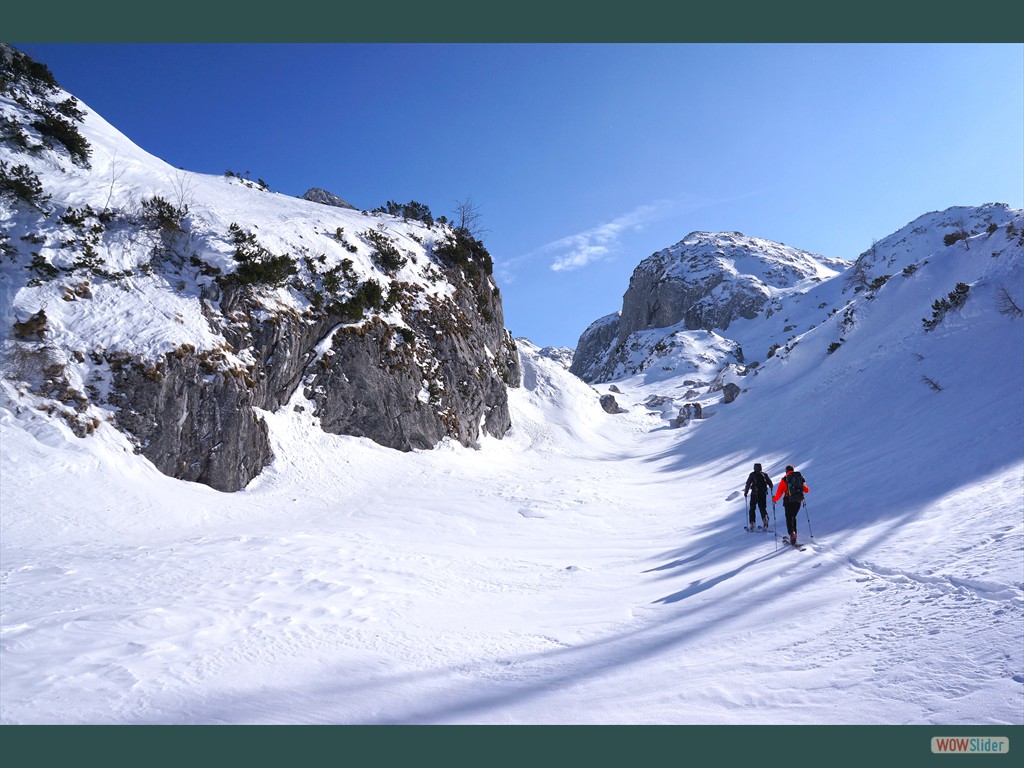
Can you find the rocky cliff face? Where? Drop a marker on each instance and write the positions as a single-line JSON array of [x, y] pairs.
[[179, 306], [444, 374], [596, 345], [705, 282]]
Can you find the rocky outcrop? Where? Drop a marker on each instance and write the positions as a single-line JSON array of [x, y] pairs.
[[322, 196], [181, 318], [444, 373], [445, 376], [594, 346], [192, 423], [702, 283], [708, 280], [688, 413], [610, 404]]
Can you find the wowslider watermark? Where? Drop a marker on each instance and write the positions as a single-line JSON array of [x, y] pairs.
[[971, 745]]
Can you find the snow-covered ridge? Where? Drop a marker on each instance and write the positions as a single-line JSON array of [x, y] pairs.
[[176, 306], [706, 255], [757, 296], [705, 282]]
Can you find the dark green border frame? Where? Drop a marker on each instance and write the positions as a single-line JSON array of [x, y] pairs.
[[493, 746], [540, 21], [457, 21]]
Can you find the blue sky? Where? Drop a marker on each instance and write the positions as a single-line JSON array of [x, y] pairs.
[[584, 159]]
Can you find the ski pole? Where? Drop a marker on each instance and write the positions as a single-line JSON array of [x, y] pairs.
[[775, 525], [808, 515]]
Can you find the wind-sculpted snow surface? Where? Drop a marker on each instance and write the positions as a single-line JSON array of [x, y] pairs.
[[588, 568]]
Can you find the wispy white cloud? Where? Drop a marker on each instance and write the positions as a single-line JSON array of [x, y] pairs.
[[605, 240], [579, 250]]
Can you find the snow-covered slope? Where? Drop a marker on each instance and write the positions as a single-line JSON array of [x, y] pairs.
[[716, 301], [705, 282], [589, 567], [174, 305]]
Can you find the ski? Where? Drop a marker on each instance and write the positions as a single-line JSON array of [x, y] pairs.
[[758, 529], [801, 547]]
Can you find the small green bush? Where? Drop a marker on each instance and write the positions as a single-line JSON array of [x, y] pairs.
[[466, 251], [19, 68], [878, 282], [20, 183], [79, 217], [256, 265], [89, 259], [272, 271], [368, 295], [953, 300], [411, 210], [385, 252], [158, 214], [53, 126], [42, 268], [69, 108]]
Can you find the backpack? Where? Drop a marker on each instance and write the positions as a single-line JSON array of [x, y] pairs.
[[761, 481], [794, 486]]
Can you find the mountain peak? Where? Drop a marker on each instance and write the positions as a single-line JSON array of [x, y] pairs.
[[322, 196], [697, 305]]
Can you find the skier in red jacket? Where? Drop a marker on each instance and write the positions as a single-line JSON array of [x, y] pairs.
[[793, 488]]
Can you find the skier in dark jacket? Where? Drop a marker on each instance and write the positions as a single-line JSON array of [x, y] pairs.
[[794, 488], [758, 482]]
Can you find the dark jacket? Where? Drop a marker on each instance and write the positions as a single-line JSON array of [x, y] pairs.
[[759, 482]]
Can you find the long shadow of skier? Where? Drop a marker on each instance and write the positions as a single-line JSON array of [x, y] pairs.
[[702, 585], [697, 556]]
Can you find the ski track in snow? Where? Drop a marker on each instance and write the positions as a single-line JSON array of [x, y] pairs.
[[369, 611], [587, 568], [577, 571]]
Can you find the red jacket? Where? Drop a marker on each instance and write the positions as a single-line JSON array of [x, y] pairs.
[[782, 487]]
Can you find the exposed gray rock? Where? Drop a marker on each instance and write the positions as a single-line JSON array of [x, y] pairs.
[[656, 401], [730, 392], [687, 413], [610, 405], [594, 347], [561, 355], [444, 375], [192, 424], [410, 394], [703, 283], [322, 196]]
